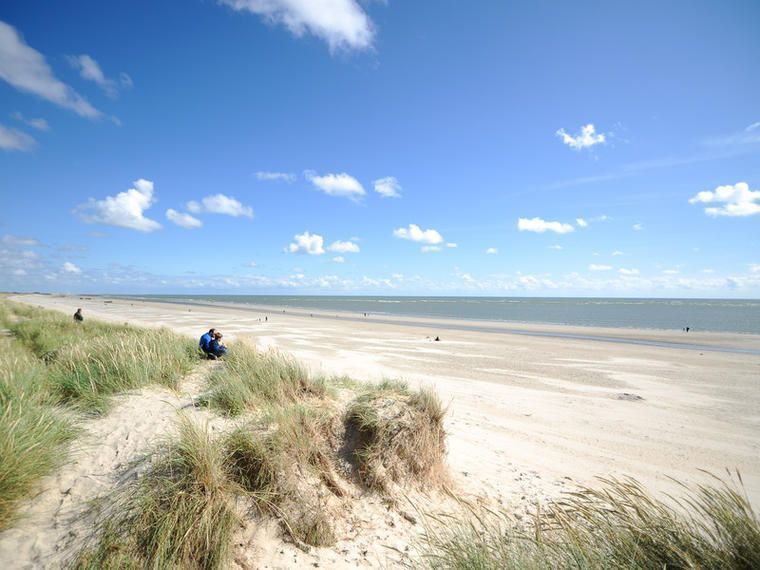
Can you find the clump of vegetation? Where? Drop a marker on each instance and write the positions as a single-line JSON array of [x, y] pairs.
[[398, 436], [179, 514], [250, 378], [46, 360], [285, 462], [619, 525], [34, 435]]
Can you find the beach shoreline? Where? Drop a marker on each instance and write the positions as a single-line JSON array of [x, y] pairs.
[[526, 412]]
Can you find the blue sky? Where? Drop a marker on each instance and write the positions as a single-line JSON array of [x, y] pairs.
[[344, 147]]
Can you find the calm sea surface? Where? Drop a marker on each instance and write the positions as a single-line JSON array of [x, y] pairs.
[[721, 315]]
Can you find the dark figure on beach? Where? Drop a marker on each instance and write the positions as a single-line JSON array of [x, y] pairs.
[[215, 347], [687, 329], [206, 340], [437, 339], [78, 316]]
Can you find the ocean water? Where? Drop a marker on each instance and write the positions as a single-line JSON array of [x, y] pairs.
[[718, 315]]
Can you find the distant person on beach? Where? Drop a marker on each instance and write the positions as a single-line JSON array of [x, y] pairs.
[[78, 316], [206, 340], [215, 347]]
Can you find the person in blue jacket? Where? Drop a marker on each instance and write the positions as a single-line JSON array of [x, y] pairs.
[[206, 340], [215, 347]]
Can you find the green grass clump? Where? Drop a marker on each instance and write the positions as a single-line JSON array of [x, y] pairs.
[[34, 435], [284, 462], [179, 514], [250, 378], [399, 435], [619, 525]]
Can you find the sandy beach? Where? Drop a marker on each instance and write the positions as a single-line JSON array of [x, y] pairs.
[[531, 412]]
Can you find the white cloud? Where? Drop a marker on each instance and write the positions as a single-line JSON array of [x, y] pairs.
[[342, 185], [415, 233], [492, 251], [9, 239], [637, 227], [451, 245], [624, 271], [617, 253], [736, 200], [341, 23], [313, 244], [25, 68], [344, 247], [89, 69], [13, 139], [182, 219], [754, 267], [387, 187], [540, 226], [598, 267], [557, 247], [39, 123], [581, 222], [125, 210], [670, 272], [69, 267], [220, 204], [339, 259], [276, 176], [749, 135], [430, 248], [588, 137]]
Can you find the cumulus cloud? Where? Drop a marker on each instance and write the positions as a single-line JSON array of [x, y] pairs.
[[275, 176], [344, 247], [586, 138], [624, 271], [492, 251], [13, 139], [25, 68], [430, 248], [737, 200], [220, 204], [183, 219], [69, 267], [451, 245], [581, 222], [313, 244], [90, 70], [341, 23], [342, 184], [125, 210], [387, 187], [540, 226], [339, 259], [598, 267], [416, 234]]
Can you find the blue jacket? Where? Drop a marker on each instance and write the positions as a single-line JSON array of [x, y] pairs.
[[215, 348], [205, 340]]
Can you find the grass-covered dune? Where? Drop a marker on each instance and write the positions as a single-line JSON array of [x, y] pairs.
[[52, 370]]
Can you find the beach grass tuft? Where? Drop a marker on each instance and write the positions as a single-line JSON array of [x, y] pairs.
[[250, 378], [179, 514], [399, 435], [617, 525]]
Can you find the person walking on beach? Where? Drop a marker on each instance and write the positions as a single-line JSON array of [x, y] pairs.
[[78, 316], [206, 340], [215, 347]]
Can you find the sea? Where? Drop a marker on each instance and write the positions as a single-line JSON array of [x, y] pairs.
[[715, 315]]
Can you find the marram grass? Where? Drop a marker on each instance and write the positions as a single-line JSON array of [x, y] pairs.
[[617, 525]]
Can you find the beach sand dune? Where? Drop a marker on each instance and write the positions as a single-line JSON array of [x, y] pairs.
[[527, 415]]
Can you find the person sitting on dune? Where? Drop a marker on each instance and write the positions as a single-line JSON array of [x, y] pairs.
[[215, 347], [206, 340], [78, 317]]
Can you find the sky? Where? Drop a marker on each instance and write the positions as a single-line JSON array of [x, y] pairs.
[[525, 148]]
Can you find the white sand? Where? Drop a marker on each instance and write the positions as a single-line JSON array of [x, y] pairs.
[[528, 416]]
